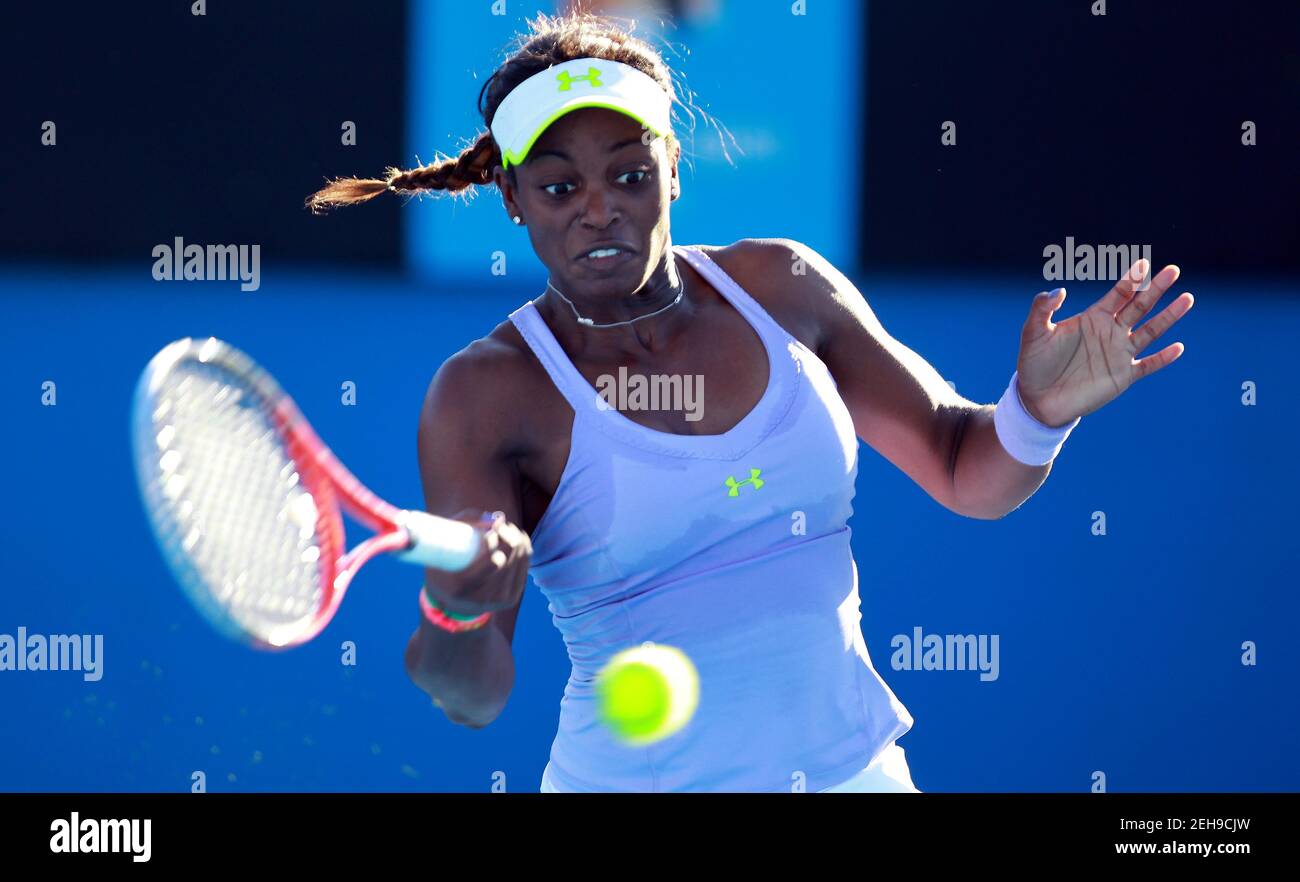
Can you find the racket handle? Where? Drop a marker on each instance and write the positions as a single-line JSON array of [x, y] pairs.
[[437, 542]]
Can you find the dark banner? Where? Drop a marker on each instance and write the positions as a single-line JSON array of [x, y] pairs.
[[315, 831]]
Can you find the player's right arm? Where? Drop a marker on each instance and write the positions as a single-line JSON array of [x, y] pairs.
[[465, 443]]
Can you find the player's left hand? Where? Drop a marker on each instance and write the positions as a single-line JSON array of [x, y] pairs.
[[1070, 369]]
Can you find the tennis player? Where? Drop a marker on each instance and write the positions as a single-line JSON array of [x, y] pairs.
[[721, 532]]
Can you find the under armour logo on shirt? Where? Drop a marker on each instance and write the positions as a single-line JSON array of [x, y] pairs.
[[733, 486]]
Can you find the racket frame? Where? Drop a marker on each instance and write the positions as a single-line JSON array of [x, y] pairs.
[[415, 537]]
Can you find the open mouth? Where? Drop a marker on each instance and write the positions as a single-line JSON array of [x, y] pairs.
[[601, 258]]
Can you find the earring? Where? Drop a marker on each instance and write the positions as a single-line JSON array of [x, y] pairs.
[[518, 219]]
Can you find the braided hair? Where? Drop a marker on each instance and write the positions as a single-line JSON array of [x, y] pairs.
[[549, 40]]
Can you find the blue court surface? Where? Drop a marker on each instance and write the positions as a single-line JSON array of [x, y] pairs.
[[1118, 653]]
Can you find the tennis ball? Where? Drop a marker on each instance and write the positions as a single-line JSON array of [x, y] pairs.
[[647, 693]]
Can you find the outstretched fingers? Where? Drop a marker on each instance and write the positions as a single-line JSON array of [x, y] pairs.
[[1145, 335], [1131, 313], [1123, 290], [1147, 366]]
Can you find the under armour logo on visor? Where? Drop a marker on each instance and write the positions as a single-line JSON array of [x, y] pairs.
[[733, 486], [567, 79]]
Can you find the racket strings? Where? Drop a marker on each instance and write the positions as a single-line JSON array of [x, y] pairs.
[[235, 512]]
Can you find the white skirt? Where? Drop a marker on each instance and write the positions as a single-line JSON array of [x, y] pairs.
[[887, 773]]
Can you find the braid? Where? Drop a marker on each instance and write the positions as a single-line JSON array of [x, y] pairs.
[[473, 167], [548, 41]]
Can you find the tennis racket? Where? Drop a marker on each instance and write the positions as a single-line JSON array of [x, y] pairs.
[[244, 499]]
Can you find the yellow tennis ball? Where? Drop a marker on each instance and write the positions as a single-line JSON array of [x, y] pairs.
[[647, 693]]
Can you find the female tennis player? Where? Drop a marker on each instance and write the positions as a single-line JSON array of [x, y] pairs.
[[722, 532]]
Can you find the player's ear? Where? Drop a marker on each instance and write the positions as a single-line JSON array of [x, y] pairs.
[[505, 185], [676, 182]]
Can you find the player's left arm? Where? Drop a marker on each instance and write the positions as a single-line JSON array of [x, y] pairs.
[[901, 406]]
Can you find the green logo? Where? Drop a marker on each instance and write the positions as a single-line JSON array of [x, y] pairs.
[[733, 486], [567, 79]]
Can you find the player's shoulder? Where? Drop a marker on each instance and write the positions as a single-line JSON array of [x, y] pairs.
[[785, 276], [499, 356], [772, 270], [490, 381], [756, 256]]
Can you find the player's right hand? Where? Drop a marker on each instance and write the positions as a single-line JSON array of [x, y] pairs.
[[495, 578]]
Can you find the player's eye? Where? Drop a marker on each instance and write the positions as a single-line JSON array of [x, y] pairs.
[[642, 172]]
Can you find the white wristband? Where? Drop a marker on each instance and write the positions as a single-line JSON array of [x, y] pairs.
[[1023, 437]]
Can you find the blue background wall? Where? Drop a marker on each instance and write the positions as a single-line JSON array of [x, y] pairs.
[[779, 115]]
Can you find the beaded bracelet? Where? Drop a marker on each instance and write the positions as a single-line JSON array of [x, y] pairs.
[[449, 621]]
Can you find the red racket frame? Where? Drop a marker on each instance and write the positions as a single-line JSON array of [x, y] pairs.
[[330, 483], [332, 487]]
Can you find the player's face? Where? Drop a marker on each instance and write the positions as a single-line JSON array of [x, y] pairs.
[[597, 176]]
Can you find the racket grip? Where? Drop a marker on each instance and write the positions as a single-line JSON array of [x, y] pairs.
[[441, 543]]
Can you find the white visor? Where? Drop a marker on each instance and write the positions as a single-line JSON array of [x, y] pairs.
[[584, 82]]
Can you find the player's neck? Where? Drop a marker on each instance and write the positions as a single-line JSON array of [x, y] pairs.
[[654, 316]]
